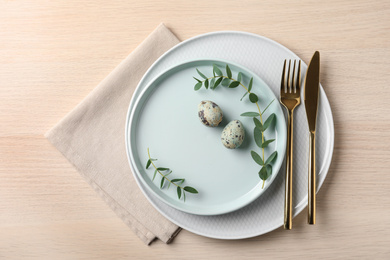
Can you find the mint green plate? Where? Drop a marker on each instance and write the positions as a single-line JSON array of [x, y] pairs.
[[165, 119]]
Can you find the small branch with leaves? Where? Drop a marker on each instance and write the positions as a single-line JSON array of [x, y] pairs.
[[164, 172], [227, 80]]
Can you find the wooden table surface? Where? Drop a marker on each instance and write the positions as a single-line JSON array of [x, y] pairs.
[[53, 53]]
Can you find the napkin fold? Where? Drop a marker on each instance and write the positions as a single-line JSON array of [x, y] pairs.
[[91, 137]]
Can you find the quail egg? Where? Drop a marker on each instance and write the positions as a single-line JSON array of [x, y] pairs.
[[210, 114], [233, 134]]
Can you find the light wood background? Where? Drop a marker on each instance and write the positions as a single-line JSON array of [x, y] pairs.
[[53, 53]]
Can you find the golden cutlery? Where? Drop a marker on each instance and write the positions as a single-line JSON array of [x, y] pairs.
[[311, 93], [290, 98]]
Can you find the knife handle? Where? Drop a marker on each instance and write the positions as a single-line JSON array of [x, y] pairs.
[[289, 172], [312, 180]]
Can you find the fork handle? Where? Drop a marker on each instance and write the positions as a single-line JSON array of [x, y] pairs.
[[312, 180], [289, 172]]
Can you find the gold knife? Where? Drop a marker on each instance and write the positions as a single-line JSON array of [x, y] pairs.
[[311, 94]]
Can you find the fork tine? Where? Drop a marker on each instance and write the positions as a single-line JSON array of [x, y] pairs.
[[282, 84], [298, 81], [288, 77], [293, 79]]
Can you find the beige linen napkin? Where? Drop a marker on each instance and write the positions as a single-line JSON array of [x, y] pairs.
[[91, 137]]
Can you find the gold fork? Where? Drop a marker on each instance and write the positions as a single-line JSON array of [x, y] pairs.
[[290, 98]]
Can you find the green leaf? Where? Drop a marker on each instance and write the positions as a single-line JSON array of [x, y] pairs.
[[250, 84], [225, 82], [271, 157], [258, 124], [162, 182], [198, 86], [258, 137], [212, 82], [179, 192], [246, 93], [217, 82], [239, 77], [253, 97], [234, 84], [190, 189], [206, 83], [154, 175], [269, 120], [148, 163], [266, 143], [197, 79], [161, 169], [265, 172], [269, 170], [228, 72], [217, 70], [257, 158], [267, 106], [184, 196], [201, 74], [177, 180], [250, 114]]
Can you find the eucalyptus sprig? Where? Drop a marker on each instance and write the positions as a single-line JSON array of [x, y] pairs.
[[164, 172], [261, 126]]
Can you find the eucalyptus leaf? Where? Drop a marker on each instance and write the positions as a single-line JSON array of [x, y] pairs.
[[258, 137], [257, 158], [190, 189], [198, 86], [269, 120], [271, 157], [148, 163], [228, 72], [197, 79], [201, 74], [266, 143], [206, 83], [268, 167], [177, 180], [253, 97], [212, 82], [162, 182], [250, 114], [217, 70], [265, 172], [239, 77], [225, 82], [154, 175], [246, 93], [250, 85], [178, 192], [258, 124], [234, 84], [217, 82]]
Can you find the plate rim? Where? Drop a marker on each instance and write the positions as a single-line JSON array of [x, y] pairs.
[[300, 206], [130, 121]]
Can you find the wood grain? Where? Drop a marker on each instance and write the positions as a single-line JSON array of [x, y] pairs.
[[53, 53]]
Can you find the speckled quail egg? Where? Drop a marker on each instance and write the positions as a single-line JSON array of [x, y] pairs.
[[210, 114], [233, 134]]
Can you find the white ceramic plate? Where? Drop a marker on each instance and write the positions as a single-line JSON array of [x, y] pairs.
[[265, 58], [165, 119]]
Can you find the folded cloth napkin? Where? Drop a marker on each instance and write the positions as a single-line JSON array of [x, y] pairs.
[[91, 137]]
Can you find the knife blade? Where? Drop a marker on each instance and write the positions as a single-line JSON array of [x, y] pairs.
[[311, 95], [312, 83]]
